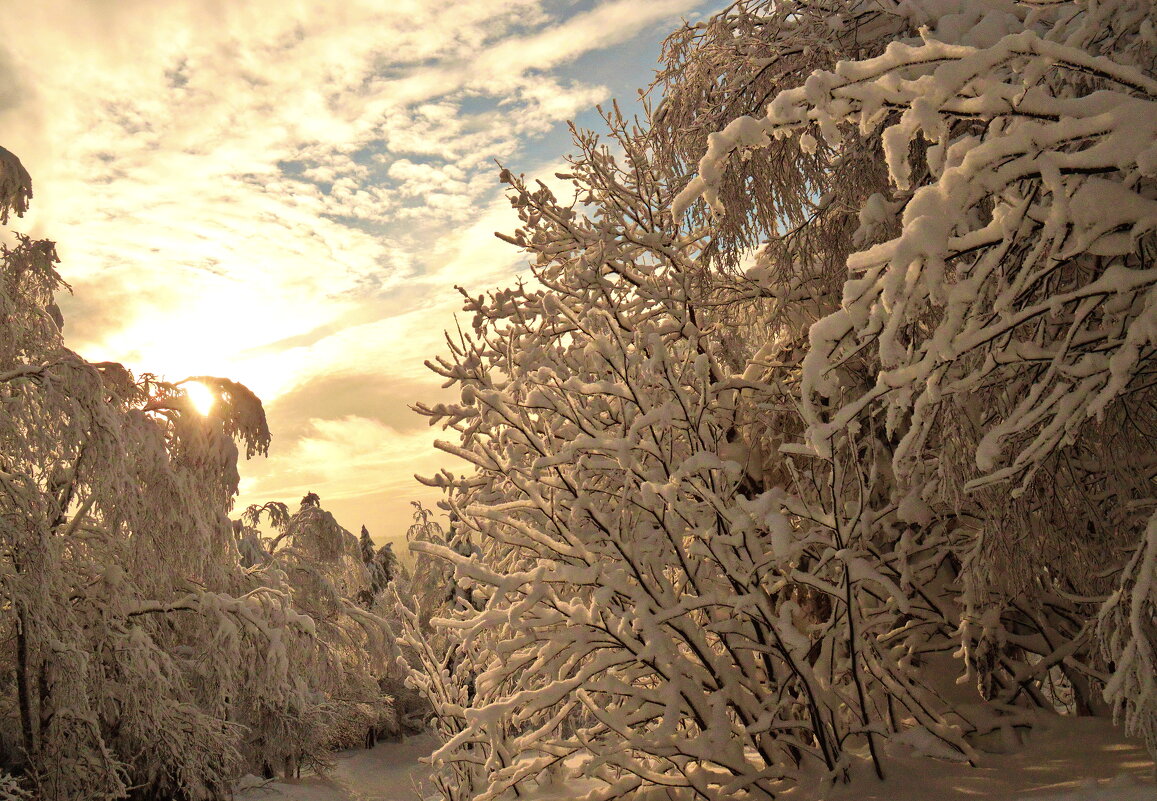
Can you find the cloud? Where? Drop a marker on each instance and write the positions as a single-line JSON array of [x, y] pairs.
[[378, 397], [285, 193]]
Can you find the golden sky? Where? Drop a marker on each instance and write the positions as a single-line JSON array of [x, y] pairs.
[[286, 192]]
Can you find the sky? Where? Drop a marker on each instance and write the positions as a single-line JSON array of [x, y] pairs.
[[286, 193]]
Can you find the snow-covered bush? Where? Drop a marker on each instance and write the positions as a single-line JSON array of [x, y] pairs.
[[855, 456], [1003, 287], [439, 668], [642, 609]]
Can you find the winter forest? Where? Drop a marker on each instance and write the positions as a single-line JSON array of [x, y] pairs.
[[819, 443]]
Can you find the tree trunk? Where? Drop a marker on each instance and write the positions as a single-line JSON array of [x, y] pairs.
[[23, 687]]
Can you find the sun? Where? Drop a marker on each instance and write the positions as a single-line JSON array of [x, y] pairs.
[[200, 396]]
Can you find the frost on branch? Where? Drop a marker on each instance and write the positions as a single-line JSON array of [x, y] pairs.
[[1128, 627], [1006, 312], [829, 468], [646, 594]]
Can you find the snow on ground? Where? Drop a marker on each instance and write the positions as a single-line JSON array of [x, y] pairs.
[[387, 772], [1066, 759]]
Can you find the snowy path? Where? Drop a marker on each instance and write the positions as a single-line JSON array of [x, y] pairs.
[[1067, 760], [384, 773]]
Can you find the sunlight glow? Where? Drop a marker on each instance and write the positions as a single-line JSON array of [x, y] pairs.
[[200, 396], [182, 336]]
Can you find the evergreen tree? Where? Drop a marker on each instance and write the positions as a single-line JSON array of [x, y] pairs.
[[367, 545]]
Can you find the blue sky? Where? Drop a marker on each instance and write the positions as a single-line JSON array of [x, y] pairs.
[[286, 192]]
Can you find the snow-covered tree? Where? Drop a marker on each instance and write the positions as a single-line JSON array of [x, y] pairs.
[[834, 463], [438, 666], [139, 653], [1002, 291], [381, 563], [320, 566], [366, 543]]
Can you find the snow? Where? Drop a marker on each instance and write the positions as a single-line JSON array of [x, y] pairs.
[[387, 772], [1065, 759]]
